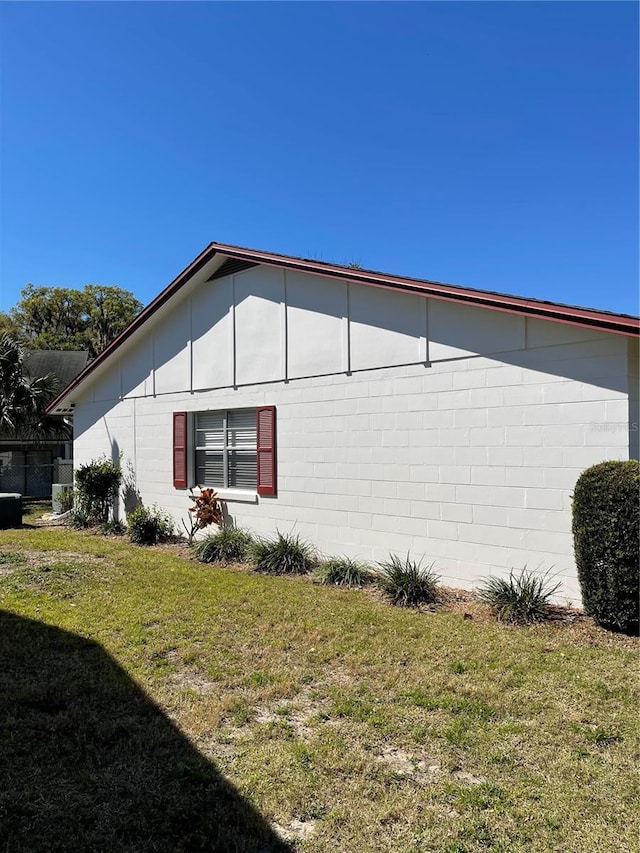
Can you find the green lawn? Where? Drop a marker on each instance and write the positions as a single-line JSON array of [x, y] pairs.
[[152, 703]]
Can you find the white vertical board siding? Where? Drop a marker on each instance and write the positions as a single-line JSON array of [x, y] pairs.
[[316, 309], [259, 326], [107, 385], [459, 330], [471, 461], [171, 338], [541, 333], [212, 335], [385, 328], [137, 369]]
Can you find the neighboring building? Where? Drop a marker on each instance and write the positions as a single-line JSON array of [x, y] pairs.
[[30, 465], [369, 412]]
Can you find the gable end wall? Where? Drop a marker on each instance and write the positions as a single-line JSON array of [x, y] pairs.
[[452, 432]]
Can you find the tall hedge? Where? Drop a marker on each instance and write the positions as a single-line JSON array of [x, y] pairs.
[[606, 533]]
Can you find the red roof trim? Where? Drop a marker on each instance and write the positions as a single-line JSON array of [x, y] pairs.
[[172, 288], [624, 324]]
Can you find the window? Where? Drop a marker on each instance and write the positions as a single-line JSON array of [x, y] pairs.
[[229, 449], [226, 449]]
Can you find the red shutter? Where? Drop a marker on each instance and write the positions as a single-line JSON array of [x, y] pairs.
[[180, 450], [266, 439]]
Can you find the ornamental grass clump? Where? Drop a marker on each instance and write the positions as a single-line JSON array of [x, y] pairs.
[[406, 582], [521, 598], [343, 571], [228, 545], [287, 554]]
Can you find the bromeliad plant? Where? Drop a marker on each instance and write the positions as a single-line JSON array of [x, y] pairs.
[[206, 510]]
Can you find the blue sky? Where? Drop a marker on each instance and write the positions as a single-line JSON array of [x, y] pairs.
[[493, 145]]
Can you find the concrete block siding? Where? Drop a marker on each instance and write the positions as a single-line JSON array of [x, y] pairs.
[[468, 459]]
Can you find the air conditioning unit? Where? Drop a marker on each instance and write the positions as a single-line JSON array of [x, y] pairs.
[[10, 510]]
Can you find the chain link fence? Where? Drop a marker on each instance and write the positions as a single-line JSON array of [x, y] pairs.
[[35, 481]]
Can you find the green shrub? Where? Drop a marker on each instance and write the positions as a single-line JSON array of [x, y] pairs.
[[606, 532], [343, 571], [406, 582], [285, 555], [113, 528], [521, 598], [66, 499], [97, 485], [79, 520], [229, 545], [149, 526]]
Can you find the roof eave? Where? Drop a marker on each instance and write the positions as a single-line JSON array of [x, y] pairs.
[[622, 324]]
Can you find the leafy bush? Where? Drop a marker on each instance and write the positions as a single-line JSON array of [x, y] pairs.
[[285, 555], [606, 534], [521, 598], [406, 582], [229, 545], [343, 571], [149, 526], [97, 485], [79, 520], [66, 499], [113, 528]]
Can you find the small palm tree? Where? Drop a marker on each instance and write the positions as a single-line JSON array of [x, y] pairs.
[[23, 400]]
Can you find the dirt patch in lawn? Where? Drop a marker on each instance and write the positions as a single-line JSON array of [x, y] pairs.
[[421, 769], [295, 830], [59, 573], [39, 558]]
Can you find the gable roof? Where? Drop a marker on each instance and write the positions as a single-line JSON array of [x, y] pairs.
[[64, 364], [238, 258]]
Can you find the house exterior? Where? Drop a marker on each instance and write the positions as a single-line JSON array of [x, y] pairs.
[[29, 465], [368, 412]]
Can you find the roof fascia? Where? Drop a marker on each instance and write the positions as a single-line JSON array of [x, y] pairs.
[[150, 310], [556, 312]]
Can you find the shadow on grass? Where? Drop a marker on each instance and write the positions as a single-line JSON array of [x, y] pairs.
[[89, 763]]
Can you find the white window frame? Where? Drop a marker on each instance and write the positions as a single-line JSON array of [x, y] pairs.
[[224, 490]]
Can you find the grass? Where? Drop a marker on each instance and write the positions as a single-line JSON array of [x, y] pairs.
[[34, 510], [151, 702]]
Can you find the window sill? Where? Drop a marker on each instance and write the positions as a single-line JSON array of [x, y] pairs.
[[237, 495]]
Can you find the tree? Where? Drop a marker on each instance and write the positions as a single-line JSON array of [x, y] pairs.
[[110, 309], [23, 399], [66, 319], [8, 326]]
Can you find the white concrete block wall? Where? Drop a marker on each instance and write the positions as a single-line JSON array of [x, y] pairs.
[[404, 423], [470, 462]]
